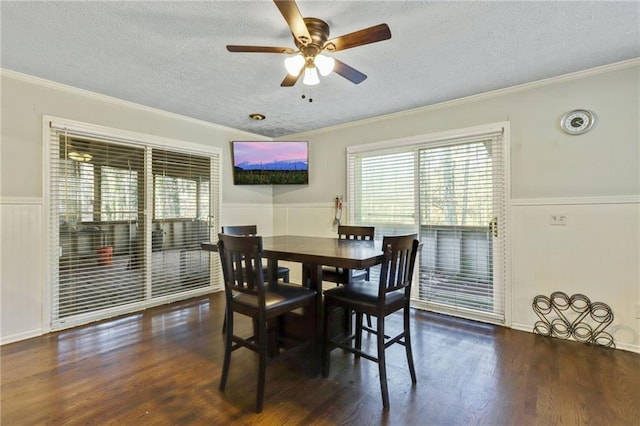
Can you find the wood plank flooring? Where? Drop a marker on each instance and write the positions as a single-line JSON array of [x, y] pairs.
[[162, 367]]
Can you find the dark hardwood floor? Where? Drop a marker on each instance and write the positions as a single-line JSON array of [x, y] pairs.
[[162, 366]]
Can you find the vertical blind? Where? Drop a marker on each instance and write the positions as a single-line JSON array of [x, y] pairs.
[[125, 222], [452, 193]]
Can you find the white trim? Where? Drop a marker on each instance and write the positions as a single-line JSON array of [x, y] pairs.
[[127, 136], [21, 200], [21, 336], [118, 102], [305, 205], [279, 205], [456, 312], [475, 132], [528, 328], [47, 299], [508, 285], [630, 63], [613, 199]]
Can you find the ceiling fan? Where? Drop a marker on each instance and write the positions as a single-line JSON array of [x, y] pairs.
[[311, 36]]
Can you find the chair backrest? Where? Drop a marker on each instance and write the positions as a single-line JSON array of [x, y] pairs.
[[240, 230], [241, 258], [348, 232], [396, 272]]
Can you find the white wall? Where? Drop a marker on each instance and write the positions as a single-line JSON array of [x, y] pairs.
[[593, 178]]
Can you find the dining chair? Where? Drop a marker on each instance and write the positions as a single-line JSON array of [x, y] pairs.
[[246, 293], [341, 275], [391, 294], [283, 272], [344, 276]]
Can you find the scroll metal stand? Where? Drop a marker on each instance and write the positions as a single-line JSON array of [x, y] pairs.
[[590, 318]]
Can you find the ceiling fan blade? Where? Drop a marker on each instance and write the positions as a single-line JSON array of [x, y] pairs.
[[291, 80], [350, 73], [358, 38], [291, 14], [260, 49]]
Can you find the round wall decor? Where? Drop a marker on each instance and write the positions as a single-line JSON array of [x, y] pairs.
[[577, 122]]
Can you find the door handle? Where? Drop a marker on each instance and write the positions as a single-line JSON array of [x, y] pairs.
[[493, 227]]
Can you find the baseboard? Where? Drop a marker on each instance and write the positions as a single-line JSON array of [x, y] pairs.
[[622, 346], [20, 336]]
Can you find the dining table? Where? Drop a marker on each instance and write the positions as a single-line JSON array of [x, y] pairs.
[[313, 253]]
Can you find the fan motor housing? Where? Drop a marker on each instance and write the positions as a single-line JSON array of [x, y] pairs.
[[319, 32]]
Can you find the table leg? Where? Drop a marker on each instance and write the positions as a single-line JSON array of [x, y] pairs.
[[312, 278], [272, 272]]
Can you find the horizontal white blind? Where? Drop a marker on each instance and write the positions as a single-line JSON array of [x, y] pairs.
[[457, 206], [181, 186], [97, 205], [385, 197]]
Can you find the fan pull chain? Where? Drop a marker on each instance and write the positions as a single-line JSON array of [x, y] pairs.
[[305, 96]]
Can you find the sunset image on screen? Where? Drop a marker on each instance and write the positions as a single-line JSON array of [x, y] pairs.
[[270, 162]]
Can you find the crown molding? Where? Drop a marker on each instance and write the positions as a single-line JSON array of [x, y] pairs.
[[120, 102], [630, 63]]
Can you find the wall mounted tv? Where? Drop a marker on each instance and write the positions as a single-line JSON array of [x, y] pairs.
[[270, 163]]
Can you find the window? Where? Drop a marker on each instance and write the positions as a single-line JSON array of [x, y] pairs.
[[175, 198], [76, 191], [451, 191], [118, 194], [126, 218]]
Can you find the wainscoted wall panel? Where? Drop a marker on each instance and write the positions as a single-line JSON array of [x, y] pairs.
[[22, 269], [313, 219], [596, 253], [248, 214]]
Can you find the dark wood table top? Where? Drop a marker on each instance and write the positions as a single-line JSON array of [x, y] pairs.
[[349, 254]]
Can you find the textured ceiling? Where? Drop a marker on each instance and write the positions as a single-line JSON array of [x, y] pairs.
[[172, 56]]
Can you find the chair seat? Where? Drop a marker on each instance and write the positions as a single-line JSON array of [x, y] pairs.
[[363, 293], [282, 297], [281, 270]]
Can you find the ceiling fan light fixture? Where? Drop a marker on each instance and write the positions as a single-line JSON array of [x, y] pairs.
[[324, 64], [310, 76], [294, 64]]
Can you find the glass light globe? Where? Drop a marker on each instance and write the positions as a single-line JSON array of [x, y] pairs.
[[294, 64], [311, 77], [324, 64]]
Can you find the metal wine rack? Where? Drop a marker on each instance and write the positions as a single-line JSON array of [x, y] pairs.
[[573, 317]]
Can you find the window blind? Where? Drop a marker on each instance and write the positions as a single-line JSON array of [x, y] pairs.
[[452, 193], [460, 193], [108, 252], [181, 183]]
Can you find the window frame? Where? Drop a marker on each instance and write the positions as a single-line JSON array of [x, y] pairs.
[[434, 140]]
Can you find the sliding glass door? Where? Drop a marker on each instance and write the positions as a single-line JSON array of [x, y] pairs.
[[126, 219], [452, 193]]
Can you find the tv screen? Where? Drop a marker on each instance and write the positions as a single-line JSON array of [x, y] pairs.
[[270, 163]]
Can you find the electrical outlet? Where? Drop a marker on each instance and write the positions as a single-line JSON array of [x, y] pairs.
[[558, 219]]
